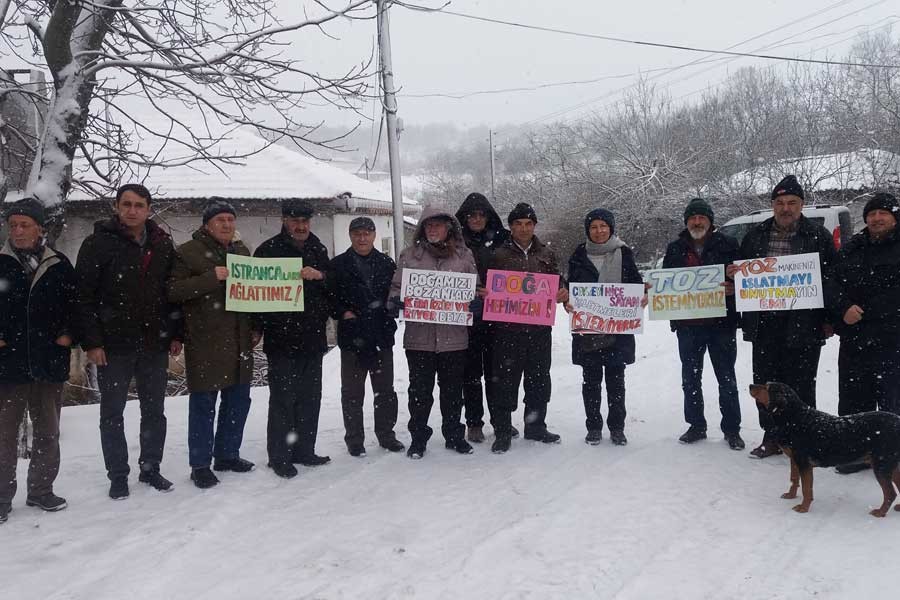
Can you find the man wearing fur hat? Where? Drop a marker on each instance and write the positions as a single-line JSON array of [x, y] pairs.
[[867, 313], [523, 349], [697, 245], [787, 344], [218, 346], [37, 319], [295, 343], [434, 349]]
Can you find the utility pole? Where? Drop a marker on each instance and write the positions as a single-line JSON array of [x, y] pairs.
[[491, 142], [390, 109]]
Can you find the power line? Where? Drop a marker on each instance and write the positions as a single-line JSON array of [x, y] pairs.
[[643, 42]]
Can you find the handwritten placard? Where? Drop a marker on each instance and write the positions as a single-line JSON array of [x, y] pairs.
[[440, 297], [686, 293], [611, 308], [263, 284], [779, 283], [517, 297]]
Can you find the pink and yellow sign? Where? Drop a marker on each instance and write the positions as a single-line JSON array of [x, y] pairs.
[[517, 297]]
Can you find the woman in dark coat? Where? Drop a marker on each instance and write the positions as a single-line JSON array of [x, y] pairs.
[[603, 258]]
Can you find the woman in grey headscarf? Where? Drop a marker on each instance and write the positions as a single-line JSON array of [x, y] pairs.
[[603, 258]]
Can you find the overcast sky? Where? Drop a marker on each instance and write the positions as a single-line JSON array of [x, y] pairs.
[[446, 54]]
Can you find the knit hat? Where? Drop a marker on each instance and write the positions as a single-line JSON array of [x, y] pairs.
[[698, 206], [297, 209], [217, 206], [136, 188], [522, 210], [362, 223], [788, 186], [27, 207], [600, 214], [883, 201]]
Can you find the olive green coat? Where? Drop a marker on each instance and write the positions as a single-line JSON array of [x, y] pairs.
[[217, 344]]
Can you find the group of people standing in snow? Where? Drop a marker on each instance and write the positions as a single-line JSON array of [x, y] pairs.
[[133, 300]]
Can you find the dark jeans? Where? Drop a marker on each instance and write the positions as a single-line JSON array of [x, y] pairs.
[[449, 367], [478, 364], [353, 392], [516, 353], [868, 378], [593, 371], [229, 433], [693, 343], [43, 401], [149, 372], [295, 397], [795, 367]]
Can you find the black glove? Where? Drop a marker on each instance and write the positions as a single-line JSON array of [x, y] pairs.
[[394, 305], [476, 307]]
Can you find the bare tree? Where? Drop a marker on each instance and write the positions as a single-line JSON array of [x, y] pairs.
[[224, 61]]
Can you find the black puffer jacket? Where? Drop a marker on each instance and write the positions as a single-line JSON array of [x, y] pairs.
[[33, 315], [294, 333], [718, 250], [799, 328], [868, 275], [366, 297], [122, 297], [484, 243], [582, 270]]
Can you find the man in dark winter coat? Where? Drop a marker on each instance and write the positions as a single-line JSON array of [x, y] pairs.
[[218, 346], [361, 281], [697, 245], [523, 349], [867, 313], [787, 344], [295, 343], [37, 322], [603, 258], [129, 330], [483, 233]]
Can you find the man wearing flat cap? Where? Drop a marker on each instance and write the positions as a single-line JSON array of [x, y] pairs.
[[294, 343], [867, 314], [365, 334]]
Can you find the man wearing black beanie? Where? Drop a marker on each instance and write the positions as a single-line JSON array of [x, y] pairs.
[[867, 290], [523, 349], [787, 344]]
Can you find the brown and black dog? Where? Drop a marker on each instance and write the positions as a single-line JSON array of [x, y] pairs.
[[811, 438]]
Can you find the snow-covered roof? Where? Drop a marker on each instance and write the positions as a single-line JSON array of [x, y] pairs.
[[866, 168], [272, 172]]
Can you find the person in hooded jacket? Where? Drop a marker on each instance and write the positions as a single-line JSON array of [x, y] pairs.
[[483, 232], [431, 348], [867, 313], [603, 258], [37, 330], [295, 344], [130, 329]]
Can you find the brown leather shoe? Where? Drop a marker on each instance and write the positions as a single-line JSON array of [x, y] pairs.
[[765, 450], [475, 434]]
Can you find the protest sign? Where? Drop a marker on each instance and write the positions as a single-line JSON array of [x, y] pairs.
[[686, 293], [779, 283], [517, 297], [440, 297], [263, 284], [611, 308]]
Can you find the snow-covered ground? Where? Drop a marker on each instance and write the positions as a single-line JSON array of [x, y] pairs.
[[655, 519]]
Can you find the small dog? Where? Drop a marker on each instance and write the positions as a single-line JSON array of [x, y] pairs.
[[811, 438]]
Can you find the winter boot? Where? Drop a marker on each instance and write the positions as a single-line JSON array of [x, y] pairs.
[[593, 437], [118, 488], [5, 509], [693, 434], [735, 441], [204, 478], [536, 426], [392, 444], [766, 448], [475, 434], [237, 465], [502, 443], [284, 470], [460, 445], [416, 450], [357, 450], [49, 502], [312, 460], [155, 480], [513, 432], [617, 436]]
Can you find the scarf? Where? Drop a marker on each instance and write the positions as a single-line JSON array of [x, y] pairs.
[[30, 258], [438, 250], [607, 259]]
